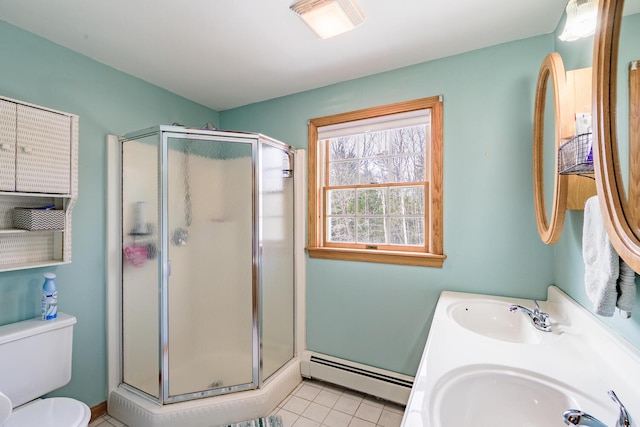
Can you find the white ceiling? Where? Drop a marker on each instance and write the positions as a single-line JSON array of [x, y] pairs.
[[229, 53]]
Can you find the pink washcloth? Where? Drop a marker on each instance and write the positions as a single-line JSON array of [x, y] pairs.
[[136, 254]]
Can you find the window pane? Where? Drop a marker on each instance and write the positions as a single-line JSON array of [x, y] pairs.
[[374, 171], [407, 231], [408, 168], [371, 230], [372, 202], [341, 230], [341, 202], [406, 200], [408, 140], [343, 173], [342, 148], [374, 144]]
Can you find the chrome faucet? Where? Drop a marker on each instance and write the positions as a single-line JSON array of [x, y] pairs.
[[540, 319], [624, 419], [576, 417], [579, 418]]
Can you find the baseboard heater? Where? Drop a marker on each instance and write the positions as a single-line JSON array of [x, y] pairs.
[[356, 376]]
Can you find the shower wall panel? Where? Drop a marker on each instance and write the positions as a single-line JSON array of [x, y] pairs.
[[140, 303], [276, 241]]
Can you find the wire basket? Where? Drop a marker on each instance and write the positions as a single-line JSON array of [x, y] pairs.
[[576, 155]]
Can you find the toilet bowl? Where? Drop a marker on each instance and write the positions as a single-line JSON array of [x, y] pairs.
[[5, 408], [51, 412]]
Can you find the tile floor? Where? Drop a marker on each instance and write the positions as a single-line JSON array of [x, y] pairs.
[[106, 421], [315, 404]]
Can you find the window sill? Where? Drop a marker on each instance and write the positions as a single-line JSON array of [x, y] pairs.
[[379, 256]]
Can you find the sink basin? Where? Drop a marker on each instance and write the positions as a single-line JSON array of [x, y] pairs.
[[501, 397], [493, 319]]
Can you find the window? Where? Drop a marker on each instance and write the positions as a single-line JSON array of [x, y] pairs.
[[375, 184]]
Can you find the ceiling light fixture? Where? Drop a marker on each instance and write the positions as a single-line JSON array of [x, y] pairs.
[[582, 16], [328, 18]]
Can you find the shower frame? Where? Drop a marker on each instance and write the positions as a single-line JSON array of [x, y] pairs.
[[164, 266]]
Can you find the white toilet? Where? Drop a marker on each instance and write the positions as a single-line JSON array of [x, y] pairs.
[[35, 359]]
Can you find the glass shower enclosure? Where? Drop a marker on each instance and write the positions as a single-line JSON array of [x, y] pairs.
[[207, 270]]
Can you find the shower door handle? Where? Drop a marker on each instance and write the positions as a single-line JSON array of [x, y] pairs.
[[168, 269]]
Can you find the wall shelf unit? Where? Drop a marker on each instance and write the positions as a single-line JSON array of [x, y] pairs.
[[580, 187], [38, 167]]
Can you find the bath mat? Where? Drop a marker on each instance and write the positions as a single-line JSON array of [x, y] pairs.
[[270, 421]]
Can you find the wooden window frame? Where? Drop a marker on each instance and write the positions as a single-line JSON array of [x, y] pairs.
[[432, 255]]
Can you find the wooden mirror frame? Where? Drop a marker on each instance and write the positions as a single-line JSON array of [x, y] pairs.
[[611, 190], [552, 69]]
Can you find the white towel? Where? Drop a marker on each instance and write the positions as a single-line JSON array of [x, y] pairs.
[[626, 288], [601, 262]]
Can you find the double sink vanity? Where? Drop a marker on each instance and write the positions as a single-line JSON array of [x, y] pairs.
[[487, 364]]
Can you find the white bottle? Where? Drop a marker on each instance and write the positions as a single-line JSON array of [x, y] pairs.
[[49, 308]]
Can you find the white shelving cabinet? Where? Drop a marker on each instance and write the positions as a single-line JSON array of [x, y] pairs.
[[38, 167]]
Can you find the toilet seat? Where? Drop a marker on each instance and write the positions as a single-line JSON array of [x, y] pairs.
[[51, 412]]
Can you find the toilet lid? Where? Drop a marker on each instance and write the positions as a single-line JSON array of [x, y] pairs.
[[52, 412]]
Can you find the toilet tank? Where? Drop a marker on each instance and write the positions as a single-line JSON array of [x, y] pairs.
[[35, 357]]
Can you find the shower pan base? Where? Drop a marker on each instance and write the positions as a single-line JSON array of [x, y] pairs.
[[137, 411]]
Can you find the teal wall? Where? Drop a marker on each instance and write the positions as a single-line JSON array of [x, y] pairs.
[[107, 101], [380, 314]]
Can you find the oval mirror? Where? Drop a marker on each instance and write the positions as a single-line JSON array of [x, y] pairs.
[[617, 124], [550, 189]]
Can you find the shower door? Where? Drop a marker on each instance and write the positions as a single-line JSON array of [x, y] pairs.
[[210, 252]]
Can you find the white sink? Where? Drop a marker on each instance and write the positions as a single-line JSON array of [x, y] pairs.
[[494, 396], [493, 319]]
